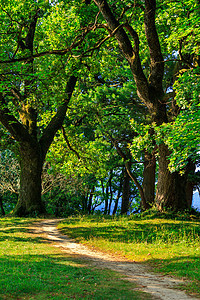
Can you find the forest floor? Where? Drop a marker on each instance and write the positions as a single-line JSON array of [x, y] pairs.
[[159, 286]]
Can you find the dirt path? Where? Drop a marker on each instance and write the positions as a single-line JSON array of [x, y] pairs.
[[161, 287]]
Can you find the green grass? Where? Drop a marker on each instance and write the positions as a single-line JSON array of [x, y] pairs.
[[170, 246], [31, 268]]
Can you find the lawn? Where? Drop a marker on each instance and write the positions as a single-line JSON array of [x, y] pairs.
[[170, 246], [32, 268]]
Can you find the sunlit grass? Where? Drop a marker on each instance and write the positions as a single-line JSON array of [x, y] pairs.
[[32, 268], [168, 246]]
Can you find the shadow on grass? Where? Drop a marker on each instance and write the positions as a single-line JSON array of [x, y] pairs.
[[183, 266], [58, 277], [137, 232], [11, 235], [187, 268], [15, 222], [7, 237], [140, 232], [51, 276]]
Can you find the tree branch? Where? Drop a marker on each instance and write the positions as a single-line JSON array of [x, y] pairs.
[[56, 122], [130, 53], [77, 41], [131, 175], [11, 123], [181, 54], [68, 144], [102, 41], [112, 23], [157, 64]]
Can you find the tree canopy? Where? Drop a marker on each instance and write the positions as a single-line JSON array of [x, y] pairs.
[[103, 95]]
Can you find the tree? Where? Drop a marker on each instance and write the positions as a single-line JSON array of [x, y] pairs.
[[114, 103], [21, 97], [1, 206], [9, 173], [151, 76], [43, 51]]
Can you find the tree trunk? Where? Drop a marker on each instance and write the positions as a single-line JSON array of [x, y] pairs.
[[84, 201], [118, 195], [111, 193], [148, 183], [171, 187], [89, 207], [31, 164], [190, 171], [125, 193], [116, 202], [106, 199], [127, 163], [189, 193], [1, 206]]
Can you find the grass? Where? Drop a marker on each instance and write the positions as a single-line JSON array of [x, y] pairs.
[[169, 246], [31, 268]]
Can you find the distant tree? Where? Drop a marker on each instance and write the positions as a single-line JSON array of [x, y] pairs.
[[9, 173], [1, 206]]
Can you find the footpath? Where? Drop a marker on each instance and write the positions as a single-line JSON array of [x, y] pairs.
[[159, 286]]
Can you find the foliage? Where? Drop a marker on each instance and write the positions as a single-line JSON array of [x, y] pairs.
[[62, 202], [67, 42], [182, 134], [183, 139], [144, 140], [9, 172]]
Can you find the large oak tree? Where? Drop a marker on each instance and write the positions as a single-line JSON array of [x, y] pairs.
[[151, 77], [25, 95]]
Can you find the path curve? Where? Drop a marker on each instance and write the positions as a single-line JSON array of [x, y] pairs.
[[161, 287]]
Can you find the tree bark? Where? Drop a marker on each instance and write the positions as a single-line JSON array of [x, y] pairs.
[[84, 201], [148, 183], [127, 163], [111, 193], [125, 193], [31, 164], [118, 195], [171, 193], [189, 193], [89, 207], [1, 206], [106, 199]]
